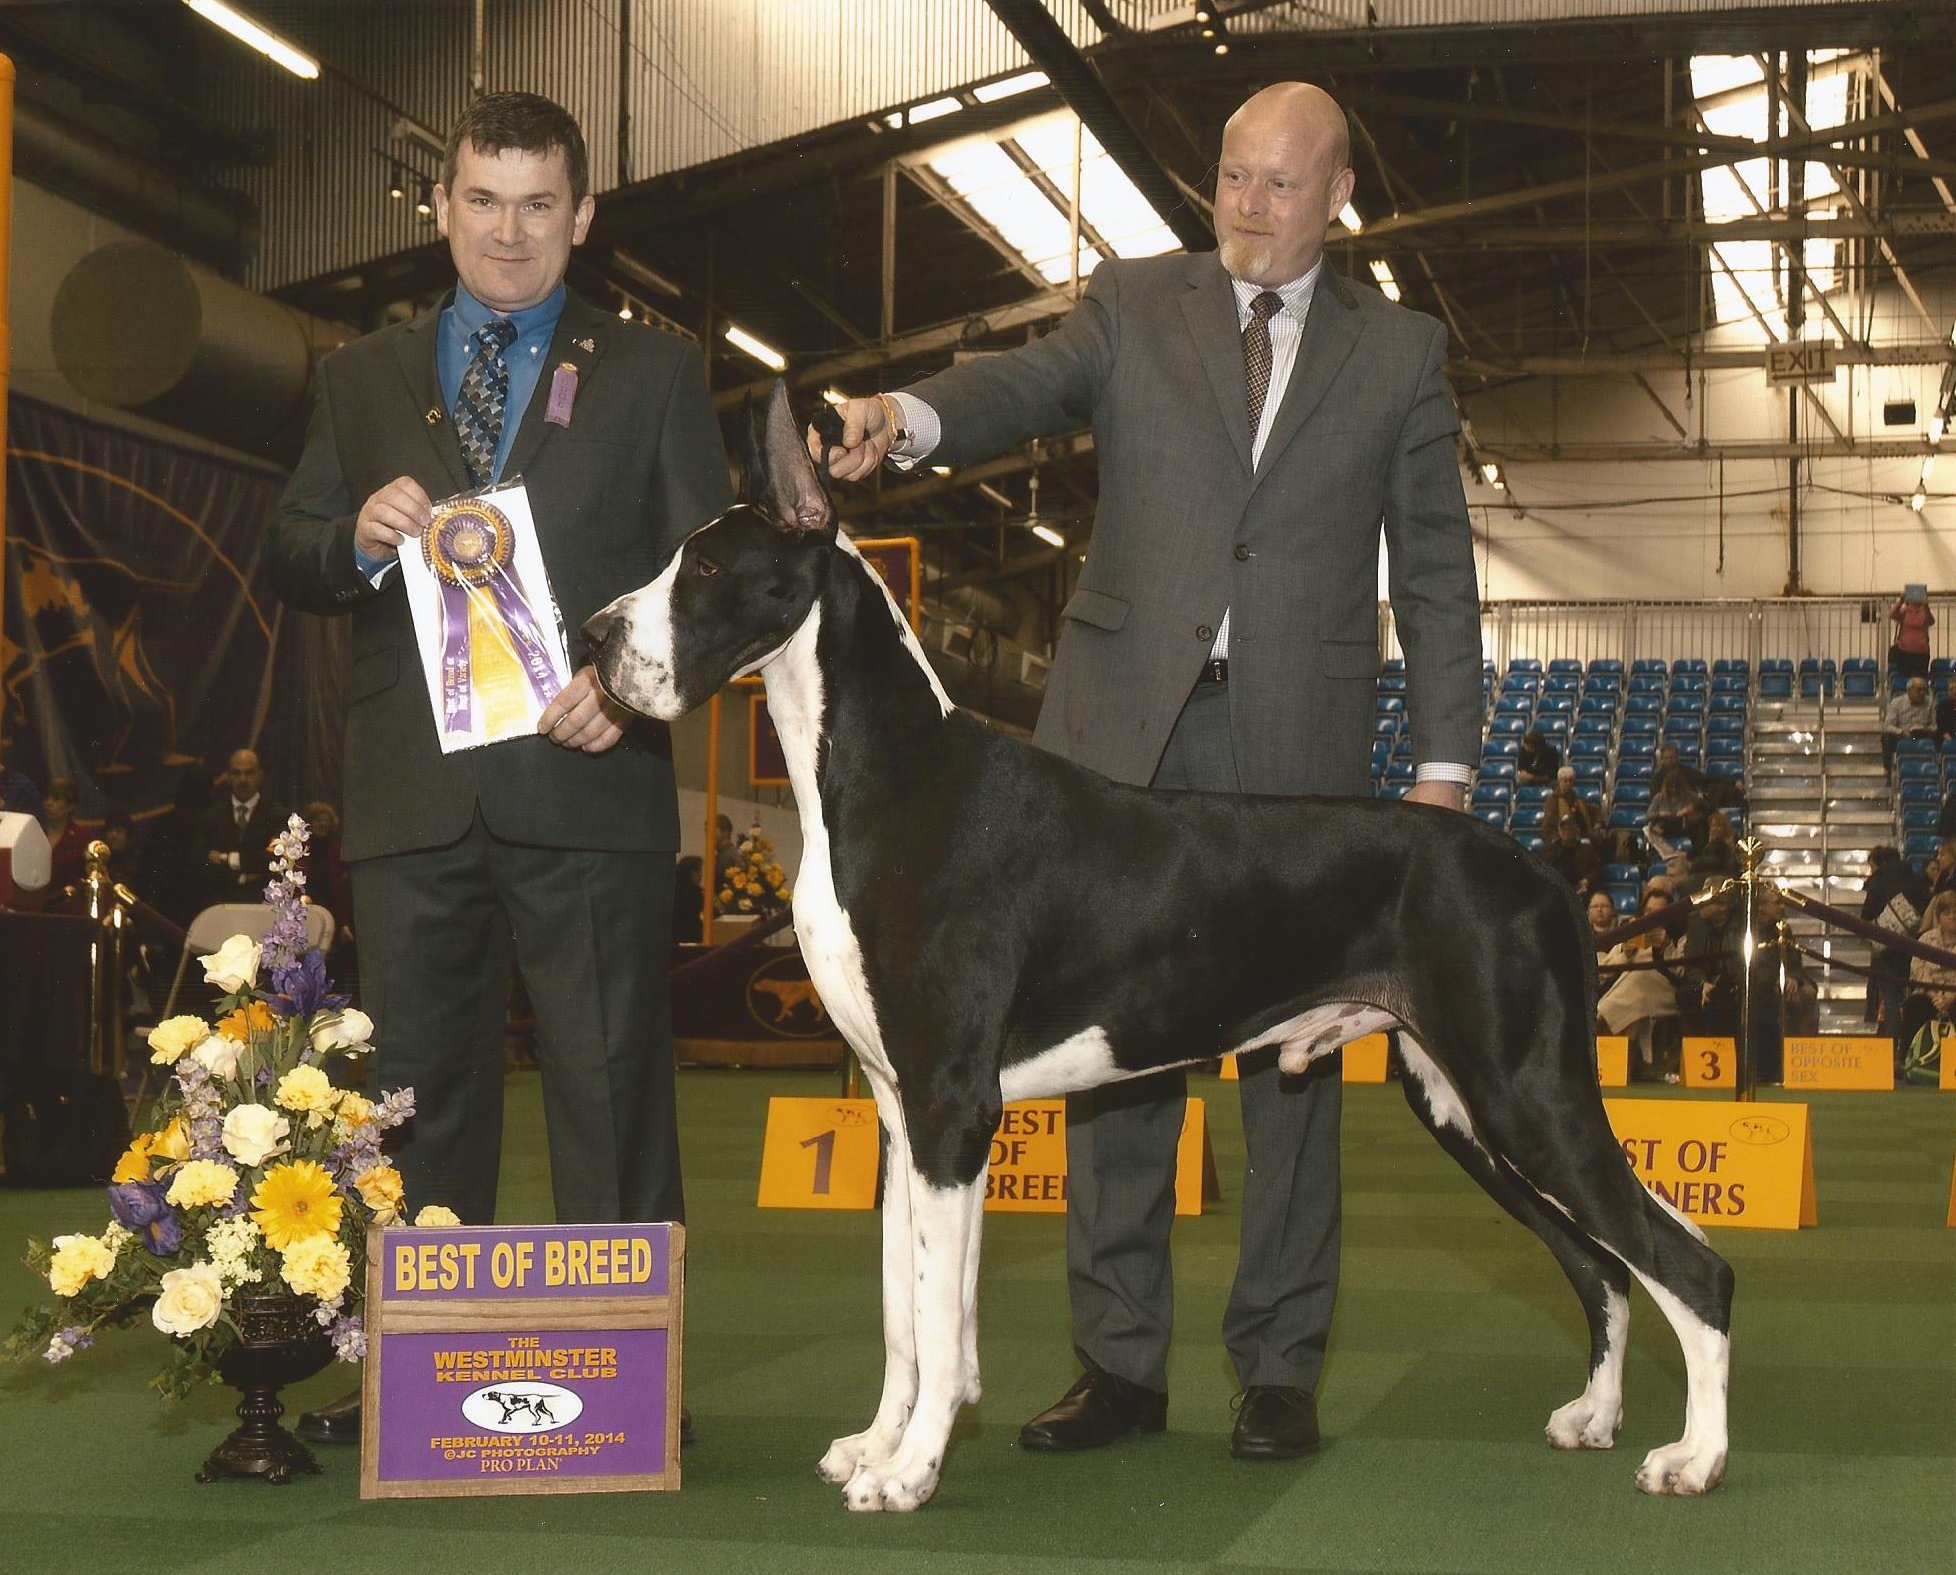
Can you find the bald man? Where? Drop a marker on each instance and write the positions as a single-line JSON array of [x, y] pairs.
[[232, 839], [1257, 417]]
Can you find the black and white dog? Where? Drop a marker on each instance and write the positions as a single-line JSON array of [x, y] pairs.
[[987, 922]]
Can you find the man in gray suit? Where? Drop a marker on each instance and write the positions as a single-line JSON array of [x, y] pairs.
[[558, 846], [1256, 417]]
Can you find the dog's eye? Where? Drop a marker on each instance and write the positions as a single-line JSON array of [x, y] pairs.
[[708, 568]]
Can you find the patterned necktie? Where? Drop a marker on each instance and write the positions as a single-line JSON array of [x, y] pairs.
[[485, 388], [242, 812], [1256, 353]]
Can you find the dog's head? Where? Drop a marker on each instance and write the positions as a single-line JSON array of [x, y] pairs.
[[737, 589]]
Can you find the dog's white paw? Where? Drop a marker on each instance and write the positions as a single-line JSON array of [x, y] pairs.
[[1585, 1423], [840, 1463], [1683, 1469], [894, 1485]]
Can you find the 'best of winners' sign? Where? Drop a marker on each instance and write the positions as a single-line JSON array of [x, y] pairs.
[[1719, 1163], [522, 1359]]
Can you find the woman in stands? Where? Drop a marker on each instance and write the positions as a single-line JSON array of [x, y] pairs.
[[1565, 803], [1643, 997], [1720, 853], [1909, 655], [1932, 986], [1676, 813]]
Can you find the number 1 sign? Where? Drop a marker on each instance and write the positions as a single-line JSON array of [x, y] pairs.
[[819, 1154]]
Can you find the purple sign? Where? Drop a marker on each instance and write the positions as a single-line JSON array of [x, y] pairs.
[[495, 1407], [506, 1261]]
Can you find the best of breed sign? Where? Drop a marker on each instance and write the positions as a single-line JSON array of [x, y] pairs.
[[522, 1359]]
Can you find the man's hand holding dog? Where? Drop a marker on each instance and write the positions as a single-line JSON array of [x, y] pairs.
[[397, 511], [866, 439], [583, 716]]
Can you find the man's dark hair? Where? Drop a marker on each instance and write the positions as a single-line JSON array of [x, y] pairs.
[[527, 122]]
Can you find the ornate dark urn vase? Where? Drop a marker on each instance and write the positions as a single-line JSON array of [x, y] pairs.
[[279, 1342]]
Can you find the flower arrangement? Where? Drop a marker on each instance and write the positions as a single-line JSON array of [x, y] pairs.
[[257, 1175], [753, 881]]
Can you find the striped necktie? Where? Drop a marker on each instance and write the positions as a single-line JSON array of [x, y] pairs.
[[485, 388]]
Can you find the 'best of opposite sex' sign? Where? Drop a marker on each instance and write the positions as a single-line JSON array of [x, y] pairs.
[[522, 1359]]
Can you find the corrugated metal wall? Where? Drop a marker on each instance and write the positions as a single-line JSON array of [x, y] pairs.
[[705, 78], [1333, 16]]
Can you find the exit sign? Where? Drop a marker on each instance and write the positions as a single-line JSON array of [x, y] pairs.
[[1799, 363]]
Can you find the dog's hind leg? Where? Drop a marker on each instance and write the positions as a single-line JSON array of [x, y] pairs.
[[878, 1441], [1601, 1281]]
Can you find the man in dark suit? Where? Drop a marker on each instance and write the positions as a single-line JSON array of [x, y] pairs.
[[1256, 417], [559, 845], [232, 842]]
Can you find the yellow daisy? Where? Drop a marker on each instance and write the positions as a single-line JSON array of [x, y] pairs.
[[295, 1202], [254, 1017]]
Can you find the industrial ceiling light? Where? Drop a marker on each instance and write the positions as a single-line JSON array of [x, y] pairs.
[[424, 204], [1382, 272], [762, 352], [625, 312], [1024, 82], [1918, 498], [1348, 216], [396, 183], [259, 37], [1049, 536], [1222, 46], [1491, 474]]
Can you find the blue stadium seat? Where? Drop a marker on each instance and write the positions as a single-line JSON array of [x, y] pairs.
[[1622, 874], [1556, 705], [1775, 685], [1400, 770], [1636, 746], [1732, 664], [1915, 768], [1591, 775], [1725, 725], [1526, 817], [1553, 728], [1859, 664], [1603, 683], [1394, 789], [1919, 792], [1628, 770], [1690, 664], [1728, 705], [1605, 664], [1625, 898], [1644, 705], [1586, 746], [1531, 792], [1648, 664], [1816, 677], [1497, 768], [1396, 664], [1525, 664], [1683, 726], [1561, 684], [1492, 793], [1603, 727], [1389, 705], [1726, 770], [1598, 705], [1522, 684], [1637, 793], [1921, 844], [1386, 725], [1859, 686], [1625, 818], [1920, 817], [1914, 746], [1531, 840], [1497, 818], [1728, 684], [1687, 683], [1685, 702], [1392, 683], [1513, 703], [1507, 725], [1565, 664], [1722, 746], [1647, 683], [1402, 747]]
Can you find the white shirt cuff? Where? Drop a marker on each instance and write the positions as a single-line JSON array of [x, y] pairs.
[[1442, 771], [925, 430]]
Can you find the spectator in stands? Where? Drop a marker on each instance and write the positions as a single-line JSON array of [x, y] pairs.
[[67, 842], [169, 876], [1909, 715], [1665, 889], [1717, 792], [233, 837], [1932, 986], [1946, 714], [1940, 871], [119, 832], [1897, 899], [1719, 854], [1913, 621], [688, 902], [1565, 803], [1642, 996], [1538, 761], [18, 793], [1574, 857], [1601, 911], [1675, 813]]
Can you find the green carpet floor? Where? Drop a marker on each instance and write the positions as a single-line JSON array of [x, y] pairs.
[[1456, 1336]]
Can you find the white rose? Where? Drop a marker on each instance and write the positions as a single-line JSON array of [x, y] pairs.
[[348, 1030], [234, 965], [253, 1134], [190, 1300], [217, 1055]]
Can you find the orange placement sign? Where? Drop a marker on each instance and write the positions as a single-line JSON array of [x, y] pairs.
[[1721, 1164], [1613, 1060], [824, 1153], [1710, 1063], [1839, 1061], [1365, 1061]]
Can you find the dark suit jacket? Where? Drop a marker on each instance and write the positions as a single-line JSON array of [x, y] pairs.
[[1152, 357], [614, 493], [217, 831]]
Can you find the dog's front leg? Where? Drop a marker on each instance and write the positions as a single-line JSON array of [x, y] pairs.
[[942, 1221], [877, 1442]]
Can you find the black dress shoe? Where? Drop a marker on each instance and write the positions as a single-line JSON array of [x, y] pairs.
[[1097, 1410], [1275, 1422], [338, 1423]]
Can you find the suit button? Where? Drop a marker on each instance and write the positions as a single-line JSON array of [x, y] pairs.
[[1204, 632], [1242, 553]]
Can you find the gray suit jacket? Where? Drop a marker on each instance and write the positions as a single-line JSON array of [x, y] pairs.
[[638, 468], [1152, 358]]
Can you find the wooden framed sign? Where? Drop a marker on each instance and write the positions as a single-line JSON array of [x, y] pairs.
[[522, 1359]]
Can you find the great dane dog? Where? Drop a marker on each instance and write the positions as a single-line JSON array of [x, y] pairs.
[[987, 922]]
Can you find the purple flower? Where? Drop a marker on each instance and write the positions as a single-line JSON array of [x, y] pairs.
[[301, 988], [140, 1206], [349, 1337]]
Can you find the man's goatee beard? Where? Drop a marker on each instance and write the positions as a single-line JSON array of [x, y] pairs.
[[1246, 259]]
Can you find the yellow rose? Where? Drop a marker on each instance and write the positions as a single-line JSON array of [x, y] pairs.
[[190, 1299], [380, 1190], [317, 1266], [356, 1109], [76, 1261], [201, 1183], [433, 1216], [307, 1089], [174, 1035]]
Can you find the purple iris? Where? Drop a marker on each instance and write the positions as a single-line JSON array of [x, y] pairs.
[[140, 1206], [300, 989]]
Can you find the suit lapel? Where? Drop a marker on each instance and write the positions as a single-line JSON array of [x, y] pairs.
[[1210, 308], [1330, 333], [416, 351], [579, 327]]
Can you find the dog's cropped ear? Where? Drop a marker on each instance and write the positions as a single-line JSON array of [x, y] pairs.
[[778, 477]]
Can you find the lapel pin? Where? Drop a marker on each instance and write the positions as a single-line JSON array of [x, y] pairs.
[[434, 415], [588, 346]]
